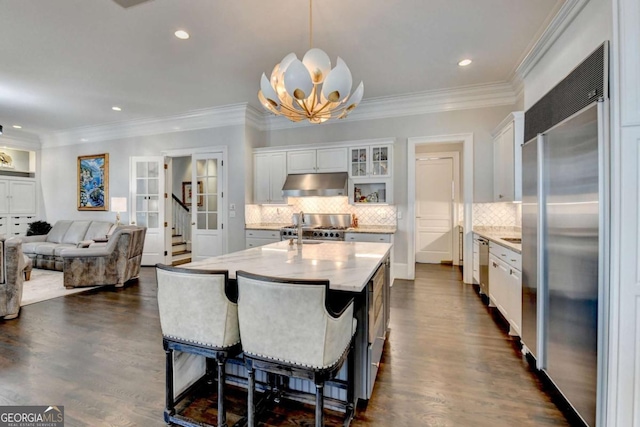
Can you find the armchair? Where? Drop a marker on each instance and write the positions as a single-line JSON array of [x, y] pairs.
[[112, 264], [12, 264]]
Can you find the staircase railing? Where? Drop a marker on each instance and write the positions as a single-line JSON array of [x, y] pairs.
[[181, 219]]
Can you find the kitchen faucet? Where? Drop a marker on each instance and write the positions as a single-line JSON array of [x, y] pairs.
[[300, 221]]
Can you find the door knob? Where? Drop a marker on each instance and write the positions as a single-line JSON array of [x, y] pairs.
[[193, 223]]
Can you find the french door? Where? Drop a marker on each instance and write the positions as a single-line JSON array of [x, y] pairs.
[[207, 206], [147, 188]]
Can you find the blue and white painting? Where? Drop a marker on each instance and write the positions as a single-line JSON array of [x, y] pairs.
[[93, 182]]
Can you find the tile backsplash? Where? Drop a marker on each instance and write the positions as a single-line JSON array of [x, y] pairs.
[[282, 214], [497, 214]]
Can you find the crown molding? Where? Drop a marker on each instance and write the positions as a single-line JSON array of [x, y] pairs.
[[560, 22], [436, 101], [13, 141], [468, 97], [256, 118], [228, 115]]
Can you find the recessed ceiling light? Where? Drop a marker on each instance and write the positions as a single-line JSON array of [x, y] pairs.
[[17, 127], [115, 108], [83, 139], [181, 34], [464, 62]]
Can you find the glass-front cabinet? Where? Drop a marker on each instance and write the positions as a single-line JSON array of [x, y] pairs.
[[370, 161]]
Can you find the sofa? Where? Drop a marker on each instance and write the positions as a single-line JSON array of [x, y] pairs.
[[111, 263], [45, 251], [12, 264]]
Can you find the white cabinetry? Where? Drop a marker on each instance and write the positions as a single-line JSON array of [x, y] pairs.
[[370, 161], [17, 206], [317, 161], [254, 238], [505, 284], [270, 172], [508, 138], [367, 237], [476, 261], [370, 173]]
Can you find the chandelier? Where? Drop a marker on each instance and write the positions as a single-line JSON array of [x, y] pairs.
[[309, 89]]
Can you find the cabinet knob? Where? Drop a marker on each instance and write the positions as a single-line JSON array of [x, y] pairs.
[[500, 196], [193, 223]]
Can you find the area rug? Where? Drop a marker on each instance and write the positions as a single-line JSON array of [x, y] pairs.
[[45, 285]]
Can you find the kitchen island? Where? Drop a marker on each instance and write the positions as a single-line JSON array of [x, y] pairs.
[[358, 268]]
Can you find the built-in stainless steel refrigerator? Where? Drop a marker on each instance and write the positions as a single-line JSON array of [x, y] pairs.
[[563, 232]]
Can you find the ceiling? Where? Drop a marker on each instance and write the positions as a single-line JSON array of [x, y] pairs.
[[65, 63]]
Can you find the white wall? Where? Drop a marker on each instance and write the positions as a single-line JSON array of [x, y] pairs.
[[181, 173], [590, 28], [59, 172], [480, 122]]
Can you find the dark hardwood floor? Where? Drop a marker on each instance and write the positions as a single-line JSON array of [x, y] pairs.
[[448, 360]]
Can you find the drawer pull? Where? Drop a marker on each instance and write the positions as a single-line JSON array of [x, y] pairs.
[[513, 260]]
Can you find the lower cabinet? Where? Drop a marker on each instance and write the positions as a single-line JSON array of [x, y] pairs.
[[367, 237], [505, 285], [255, 238], [15, 225], [476, 261]]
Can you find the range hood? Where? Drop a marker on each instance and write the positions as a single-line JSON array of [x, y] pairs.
[[315, 184]]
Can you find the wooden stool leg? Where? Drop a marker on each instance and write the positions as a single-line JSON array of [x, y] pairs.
[[251, 408], [320, 405], [27, 275], [222, 413]]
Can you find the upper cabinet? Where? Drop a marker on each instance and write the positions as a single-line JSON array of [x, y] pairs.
[[270, 172], [317, 161], [370, 161], [508, 138]]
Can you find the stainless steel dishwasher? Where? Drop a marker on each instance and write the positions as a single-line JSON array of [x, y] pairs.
[[483, 254]]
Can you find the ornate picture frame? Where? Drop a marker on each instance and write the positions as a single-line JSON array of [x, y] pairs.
[[93, 182]]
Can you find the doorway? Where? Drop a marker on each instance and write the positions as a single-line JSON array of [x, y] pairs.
[[179, 197], [437, 198], [463, 144]]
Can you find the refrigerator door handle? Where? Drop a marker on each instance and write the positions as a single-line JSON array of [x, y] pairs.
[[541, 317]]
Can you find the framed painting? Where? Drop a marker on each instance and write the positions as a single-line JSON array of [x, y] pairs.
[[187, 193], [93, 182]]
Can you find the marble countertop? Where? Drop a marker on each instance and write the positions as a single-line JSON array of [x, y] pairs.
[[347, 265], [376, 229], [264, 226], [495, 234]]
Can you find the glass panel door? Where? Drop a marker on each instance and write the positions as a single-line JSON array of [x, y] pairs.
[[147, 195], [207, 206], [358, 162], [380, 161]]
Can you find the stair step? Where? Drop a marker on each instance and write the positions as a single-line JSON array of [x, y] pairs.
[[177, 238], [181, 257], [179, 249]]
